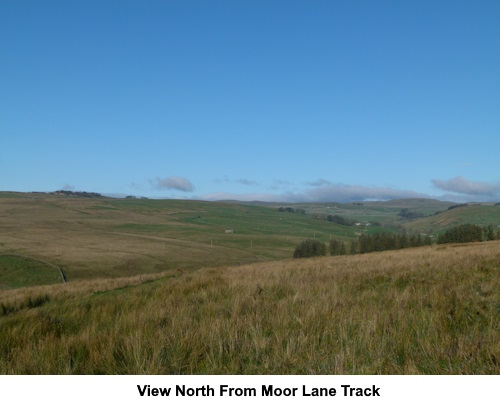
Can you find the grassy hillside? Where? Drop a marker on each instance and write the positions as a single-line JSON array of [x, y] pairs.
[[484, 214], [437, 217], [432, 310], [385, 212], [104, 237]]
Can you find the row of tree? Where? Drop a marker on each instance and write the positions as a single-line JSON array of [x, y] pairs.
[[337, 219], [469, 233], [309, 248], [77, 193], [379, 242], [407, 214], [365, 244], [290, 209]]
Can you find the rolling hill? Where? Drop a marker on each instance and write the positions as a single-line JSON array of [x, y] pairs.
[[477, 214], [88, 237], [105, 237], [183, 287]]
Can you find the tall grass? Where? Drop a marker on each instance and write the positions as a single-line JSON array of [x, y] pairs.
[[432, 310]]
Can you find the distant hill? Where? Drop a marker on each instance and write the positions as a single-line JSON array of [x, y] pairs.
[[383, 212], [477, 214], [422, 203]]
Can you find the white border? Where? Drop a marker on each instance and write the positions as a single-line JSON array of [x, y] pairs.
[[122, 390]]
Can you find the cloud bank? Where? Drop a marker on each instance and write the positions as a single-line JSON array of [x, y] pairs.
[[328, 193], [219, 196], [347, 193], [461, 185], [173, 183], [457, 189]]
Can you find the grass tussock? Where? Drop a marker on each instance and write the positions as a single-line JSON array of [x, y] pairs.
[[432, 310]]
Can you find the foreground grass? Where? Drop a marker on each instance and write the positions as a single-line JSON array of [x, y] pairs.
[[433, 310]]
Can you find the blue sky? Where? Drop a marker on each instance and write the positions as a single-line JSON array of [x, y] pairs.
[[269, 100]]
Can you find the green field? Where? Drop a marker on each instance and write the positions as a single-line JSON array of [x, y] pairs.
[[16, 272]]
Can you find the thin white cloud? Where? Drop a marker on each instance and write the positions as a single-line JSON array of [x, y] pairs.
[[318, 183], [461, 185], [245, 182], [173, 183], [284, 183], [224, 179], [280, 185], [136, 186]]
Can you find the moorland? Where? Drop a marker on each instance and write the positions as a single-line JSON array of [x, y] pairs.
[[168, 286]]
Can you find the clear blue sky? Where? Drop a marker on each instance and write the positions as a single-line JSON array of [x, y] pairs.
[[271, 100]]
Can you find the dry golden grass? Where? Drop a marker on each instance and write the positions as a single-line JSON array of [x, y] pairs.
[[432, 310]]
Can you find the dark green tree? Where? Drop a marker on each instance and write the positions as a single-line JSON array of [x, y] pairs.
[[403, 241], [365, 244], [309, 248], [462, 234], [490, 233], [337, 248], [354, 249]]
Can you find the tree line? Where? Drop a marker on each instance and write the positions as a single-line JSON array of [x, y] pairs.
[[337, 219], [85, 194], [405, 213], [469, 233], [292, 210], [379, 242]]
